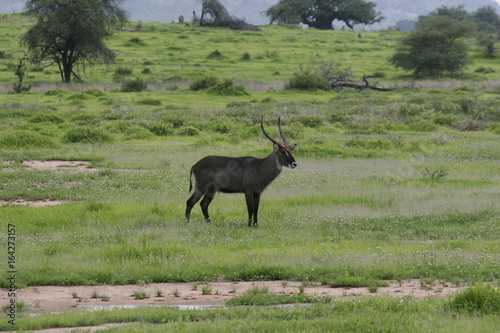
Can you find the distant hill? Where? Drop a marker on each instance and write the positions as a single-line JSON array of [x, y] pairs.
[[251, 10]]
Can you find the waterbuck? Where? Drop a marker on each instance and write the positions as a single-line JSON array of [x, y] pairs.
[[249, 175]]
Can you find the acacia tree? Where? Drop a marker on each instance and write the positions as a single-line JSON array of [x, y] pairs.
[[70, 32], [435, 47], [320, 14]]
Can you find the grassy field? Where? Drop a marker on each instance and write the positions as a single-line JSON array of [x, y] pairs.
[[389, 185]]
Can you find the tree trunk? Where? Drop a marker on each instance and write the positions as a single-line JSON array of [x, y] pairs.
[[67, 70]]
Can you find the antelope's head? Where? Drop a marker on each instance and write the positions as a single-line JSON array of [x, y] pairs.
[[283, 152]]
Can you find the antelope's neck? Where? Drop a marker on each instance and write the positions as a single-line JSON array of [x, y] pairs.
[[272, 167]]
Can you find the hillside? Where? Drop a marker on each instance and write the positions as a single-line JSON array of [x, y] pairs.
[[173, 53]]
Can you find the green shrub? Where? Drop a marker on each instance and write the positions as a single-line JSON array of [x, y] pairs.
[[136, 85], [123, 71], [245, 56], [203, 82], [307, 80], [46, 118], [158, 128], [26, 140], [137, 40], [482, 298], [87, 134], [309, 121], [146, 71], [138, 133], [215, 55], [188, 131], [149, 101], [226, 87]]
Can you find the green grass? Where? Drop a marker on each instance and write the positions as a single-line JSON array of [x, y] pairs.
[[394, 185], [363, 314]]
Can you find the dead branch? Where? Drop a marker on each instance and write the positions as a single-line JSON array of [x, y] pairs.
[[342, 82]]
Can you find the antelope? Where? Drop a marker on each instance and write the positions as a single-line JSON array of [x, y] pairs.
[[249, 175]]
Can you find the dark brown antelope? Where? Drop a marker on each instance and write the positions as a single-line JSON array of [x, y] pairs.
[[249, 175]]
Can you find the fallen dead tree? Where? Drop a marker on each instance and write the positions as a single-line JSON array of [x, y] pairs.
[[342, 83]]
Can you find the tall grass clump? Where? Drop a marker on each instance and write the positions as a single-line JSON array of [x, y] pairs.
[[136, 85], [483, 298], [307, 80], [203, 82], [216, 86], [26, 139], [87, 134]]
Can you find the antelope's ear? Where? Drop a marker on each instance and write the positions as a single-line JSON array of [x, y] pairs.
[[292, 147], [276, 147]]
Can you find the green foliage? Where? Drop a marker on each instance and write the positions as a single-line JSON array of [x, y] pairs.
[[149, 101], [226, 87], [214, 85], [307, 80], [203, 82], [436, 47], [215, 55], [54, 37], [87, 135], [46, 118], [320, 14], [136, 85], [482, 298], [26, 140], [123, 71]]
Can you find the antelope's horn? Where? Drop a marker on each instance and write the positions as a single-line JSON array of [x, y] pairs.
[[281, 132], [265, 133]]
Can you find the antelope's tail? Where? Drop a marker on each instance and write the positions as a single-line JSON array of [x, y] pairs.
[[190, 180]]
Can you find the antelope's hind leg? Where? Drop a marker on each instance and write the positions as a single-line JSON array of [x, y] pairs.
[[207, 199], [191, 202]]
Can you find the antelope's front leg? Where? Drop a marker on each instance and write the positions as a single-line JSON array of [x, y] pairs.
[[250, 206]]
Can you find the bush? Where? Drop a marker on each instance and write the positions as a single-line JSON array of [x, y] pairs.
[[149, 101], [482, 298], [123, 71], [215, 55], [307, 80], [46, 118], [217, 86], [136, 85], [203, 82], [226, 87], [158, 128], [188, 131], [26, 139], [87, 134], [309, 121]]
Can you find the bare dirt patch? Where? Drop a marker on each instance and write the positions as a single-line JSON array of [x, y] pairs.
[[52, 165], [54, 298], [34, 203], [58, 165]]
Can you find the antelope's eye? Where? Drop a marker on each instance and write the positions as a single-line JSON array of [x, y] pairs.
[[283, 151]]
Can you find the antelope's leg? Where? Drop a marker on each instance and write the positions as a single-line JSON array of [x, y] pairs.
[[256, 200], [191, 202], [250, 206], [207, 199]]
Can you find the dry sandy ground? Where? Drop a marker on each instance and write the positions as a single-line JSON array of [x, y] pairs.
[[190, 295], [53, 298]]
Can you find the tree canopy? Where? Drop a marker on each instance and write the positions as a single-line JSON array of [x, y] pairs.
[[435, 47], [320, 14], [71, 32]]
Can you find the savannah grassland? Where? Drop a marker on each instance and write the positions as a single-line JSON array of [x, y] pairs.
[[390, 185]]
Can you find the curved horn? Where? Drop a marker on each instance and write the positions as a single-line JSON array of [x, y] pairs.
[[281, 132], [265, 133]]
